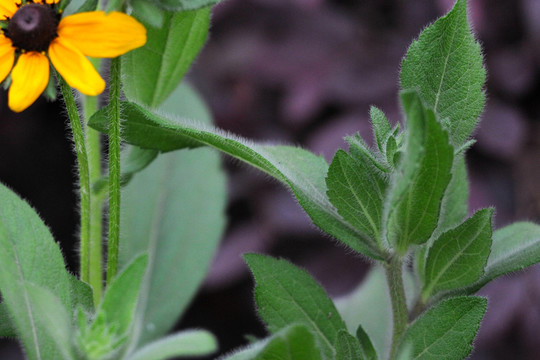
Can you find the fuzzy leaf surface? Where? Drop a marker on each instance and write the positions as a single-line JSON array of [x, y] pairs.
[[381, 128], [347, 347], [29, 256], [458, 257], [357, 190], [446, 331], [445, 66], [422, 178], [366, 346], [287, 295], [166, 56], [165, 215], [295, 342], [185, 343], [303, 171], [6, 325], [455, 207]]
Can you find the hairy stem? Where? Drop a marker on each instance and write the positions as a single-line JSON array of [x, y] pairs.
[[114, 170], [394, 277], [84, 178], [93, 145]]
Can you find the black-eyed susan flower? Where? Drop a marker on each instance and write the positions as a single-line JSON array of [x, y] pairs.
[[33, 33]]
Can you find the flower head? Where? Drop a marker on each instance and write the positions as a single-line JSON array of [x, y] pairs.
[[34, 34]]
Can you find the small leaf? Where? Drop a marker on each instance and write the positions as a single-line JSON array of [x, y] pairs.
[[381, 128], [295, 342], [357, 190], [167, 55], [303, 171], [81, 295], [422, 179], [445, 66], [286, 295], [347, 347], [28, 254], [454, 206], [119, 301], [458, 257], [367, 349], [185, 343], [182, 5], [446, 331]]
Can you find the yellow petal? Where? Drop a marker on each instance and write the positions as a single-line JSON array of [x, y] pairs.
[[7, 9], [29, 78], [97, 34], [7, 57], [75, 68]]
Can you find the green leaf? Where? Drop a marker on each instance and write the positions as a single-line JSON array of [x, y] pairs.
[[148, 12], [445, 66], [366, 346], [514, 248], [121, 296], [458, 257], [381, 128], [357, 189], [28, 254], [303, 171], [81, 295], [446, 331], [167, 55], [295, 342], [162, 213], [185, 343], [182, 5], [422, 178], [286, 295], [6, 324], [454, 206], [347, 347]]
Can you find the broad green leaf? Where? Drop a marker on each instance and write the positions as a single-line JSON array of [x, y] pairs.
[[381, 128], [182, 5], [287, 295], [28, 254], [174, 210], [167, 55], [347, 347], [514, 248], [445, 66], [295, 342], [422, 178], [185, 343], [357, 189], [458, 257], [454, 206], [303, 171], [366, 346], [6, 325], [81, 295], [446, 331], [52, 320], [148, 12]]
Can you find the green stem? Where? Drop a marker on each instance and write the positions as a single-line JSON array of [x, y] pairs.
[[93, 144], [394, 277], [114, 170], [84, 179]]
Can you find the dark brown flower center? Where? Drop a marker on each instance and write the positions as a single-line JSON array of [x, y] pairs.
[[33, 27]]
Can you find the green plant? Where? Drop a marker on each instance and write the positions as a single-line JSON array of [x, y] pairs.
[[401, 204]]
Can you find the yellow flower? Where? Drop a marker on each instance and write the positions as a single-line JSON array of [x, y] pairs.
[[34, 33]]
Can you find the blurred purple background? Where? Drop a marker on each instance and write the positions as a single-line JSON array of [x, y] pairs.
[[305, 72]]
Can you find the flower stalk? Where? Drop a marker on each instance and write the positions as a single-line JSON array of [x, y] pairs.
[[114, 170]]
